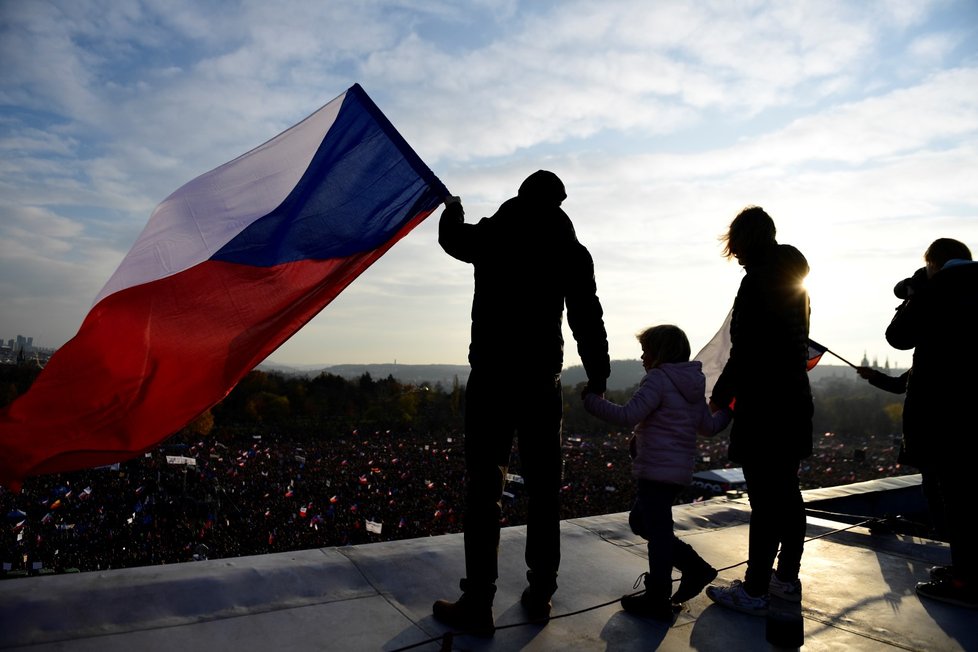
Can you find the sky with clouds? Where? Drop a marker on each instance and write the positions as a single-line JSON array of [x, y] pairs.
[[854, 124]]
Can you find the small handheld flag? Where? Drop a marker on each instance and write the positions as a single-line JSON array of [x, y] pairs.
[[714, 355], [815, 353]]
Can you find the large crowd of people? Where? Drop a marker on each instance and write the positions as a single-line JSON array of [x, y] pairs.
[[261, 493]]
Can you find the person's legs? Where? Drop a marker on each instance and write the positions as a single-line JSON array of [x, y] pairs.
[[930, 484], [959, 584], [488, 441], [777, 518], [762, 546], [696, 573], [654, 509], [957, 486], [667, 551], [539, 425], [656, 500], [792, 522]]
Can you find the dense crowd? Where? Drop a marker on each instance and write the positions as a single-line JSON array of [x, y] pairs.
[[258, 493]]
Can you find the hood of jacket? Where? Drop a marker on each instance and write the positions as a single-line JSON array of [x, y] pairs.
[[688, 379]]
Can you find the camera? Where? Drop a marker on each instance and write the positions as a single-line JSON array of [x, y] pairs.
[[908, 286]]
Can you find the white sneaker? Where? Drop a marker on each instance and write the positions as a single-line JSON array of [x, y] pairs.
[[788, 591], [736, 598]]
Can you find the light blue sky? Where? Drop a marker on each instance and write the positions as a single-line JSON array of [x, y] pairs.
[[855, 124]]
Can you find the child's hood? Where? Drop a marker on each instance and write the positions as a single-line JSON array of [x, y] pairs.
[[688, 378]]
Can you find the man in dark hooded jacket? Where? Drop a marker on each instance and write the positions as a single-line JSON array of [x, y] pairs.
[[766, 378], [528, 265], [939, 321]]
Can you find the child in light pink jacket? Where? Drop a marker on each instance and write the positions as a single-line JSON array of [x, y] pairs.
[[668, 411]]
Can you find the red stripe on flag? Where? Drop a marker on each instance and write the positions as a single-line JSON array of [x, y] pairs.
[[149, 359]]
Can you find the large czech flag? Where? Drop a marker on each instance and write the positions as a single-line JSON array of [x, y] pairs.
[[227, 269]]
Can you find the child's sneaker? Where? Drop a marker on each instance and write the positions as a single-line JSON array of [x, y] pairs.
[[789, 591], [736, 598], [642, 605]]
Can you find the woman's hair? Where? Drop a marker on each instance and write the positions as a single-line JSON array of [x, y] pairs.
[[751, 230], [665, 343], [944, 249]]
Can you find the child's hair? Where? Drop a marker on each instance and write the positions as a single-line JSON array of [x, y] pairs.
[[666, 343]]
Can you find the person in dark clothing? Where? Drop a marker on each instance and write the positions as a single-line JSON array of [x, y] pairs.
[[528, 264], [766, 380], [910, 443], [929, 482], [939, 320], [880, 380]]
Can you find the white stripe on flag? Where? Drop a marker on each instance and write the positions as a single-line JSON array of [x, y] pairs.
[[714, 355]]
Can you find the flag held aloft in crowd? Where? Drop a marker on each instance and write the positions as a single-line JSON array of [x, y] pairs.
[[228, 267]]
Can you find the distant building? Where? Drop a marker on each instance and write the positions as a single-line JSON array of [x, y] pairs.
[[21, 349], [25, 344]]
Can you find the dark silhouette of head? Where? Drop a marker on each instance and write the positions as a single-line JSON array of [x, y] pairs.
[[944, 249], [664, 344], [543, 188], [750, 232]]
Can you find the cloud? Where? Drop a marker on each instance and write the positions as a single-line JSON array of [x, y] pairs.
[[853, 123]]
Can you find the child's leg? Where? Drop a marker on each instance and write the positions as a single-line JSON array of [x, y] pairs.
[[697, 574], [656, 500], [685, 558], [635, 519]]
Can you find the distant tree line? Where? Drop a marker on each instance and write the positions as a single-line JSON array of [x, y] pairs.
[[849, 408]]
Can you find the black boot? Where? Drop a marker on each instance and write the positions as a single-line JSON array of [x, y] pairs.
[[472, 612], [643, 604], [536, 597], [537, 604], [693, 581]]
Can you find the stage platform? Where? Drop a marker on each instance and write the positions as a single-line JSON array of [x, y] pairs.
[[858, 595]]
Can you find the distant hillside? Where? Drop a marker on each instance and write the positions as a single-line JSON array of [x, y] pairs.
[[625, 374], [413, 374]]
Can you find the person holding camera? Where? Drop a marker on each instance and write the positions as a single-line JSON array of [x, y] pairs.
[[908, 449], [938, 320]]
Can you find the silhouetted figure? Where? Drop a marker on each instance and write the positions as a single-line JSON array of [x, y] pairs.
[[880, 380], [528, 265], [929, 481], [907, 455], [939, 321], [772, 429], [668, 411]]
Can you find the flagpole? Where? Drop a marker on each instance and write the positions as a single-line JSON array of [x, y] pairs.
[[827, 350]]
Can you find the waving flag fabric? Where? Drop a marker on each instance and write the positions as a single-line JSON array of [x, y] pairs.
[[227, 268], [714, 355]]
